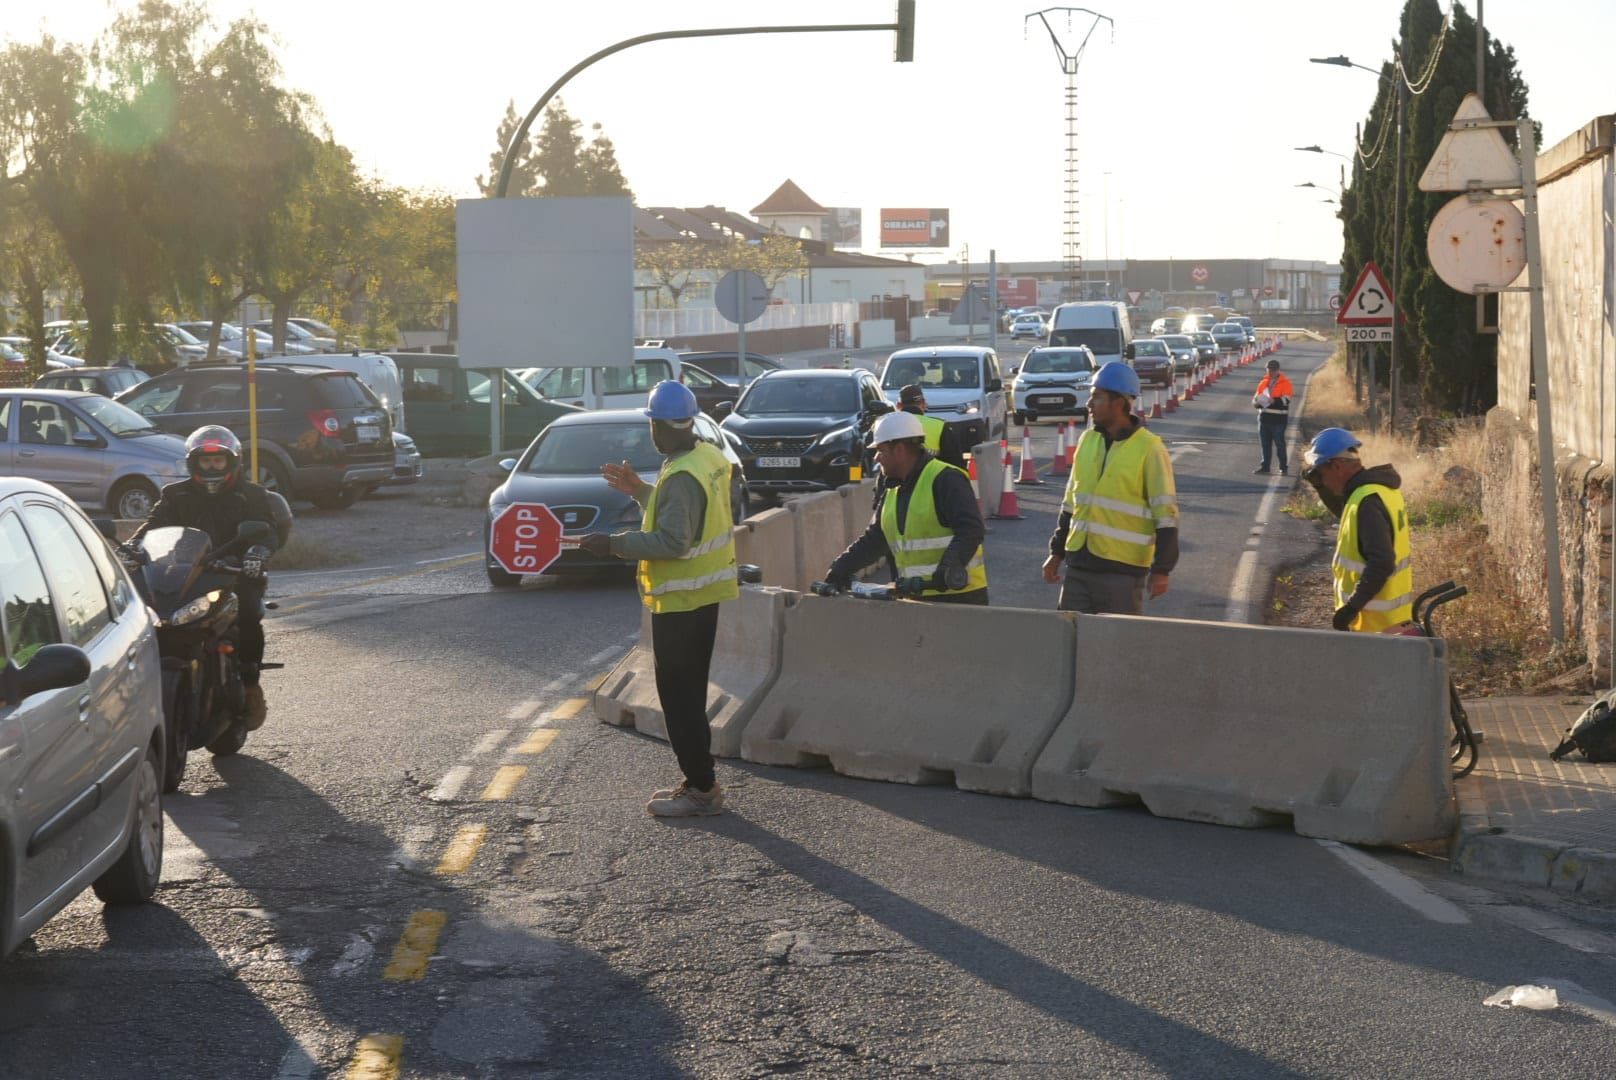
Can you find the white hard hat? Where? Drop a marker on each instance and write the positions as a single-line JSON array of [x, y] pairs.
[[897, 425]]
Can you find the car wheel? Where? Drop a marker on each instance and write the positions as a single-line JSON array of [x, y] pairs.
[[273, 476], [340, 499], [133, 878], [231, 742], [1019, 418], [132, 499]]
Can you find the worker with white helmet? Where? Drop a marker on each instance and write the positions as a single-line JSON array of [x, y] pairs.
[[928, 524]]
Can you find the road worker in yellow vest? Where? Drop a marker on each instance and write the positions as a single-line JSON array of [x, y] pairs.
[[1374, 579], [1117, 535], [686, 556], [928, 523], [941, 440]]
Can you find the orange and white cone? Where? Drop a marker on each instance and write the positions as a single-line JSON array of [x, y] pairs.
[[1009, 507], [1029, 467], [1063, 463], [1155, 405], [1172, 395]]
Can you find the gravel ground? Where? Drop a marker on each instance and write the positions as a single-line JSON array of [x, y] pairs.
[[425, 517]]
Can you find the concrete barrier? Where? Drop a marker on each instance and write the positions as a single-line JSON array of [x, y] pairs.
[[1342, 735], [769, 540], [858, 507], [916, 693], [820, 528], [746, 658]]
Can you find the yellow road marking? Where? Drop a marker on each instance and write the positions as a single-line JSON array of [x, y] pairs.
[[462, 849], [377, 1057], [538, 741], [352, 585], [594, 684], [503, 783], [569, 709], [416, 947]]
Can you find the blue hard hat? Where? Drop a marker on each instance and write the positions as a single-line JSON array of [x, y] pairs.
[[1330, 443], [1118, 378], [671, 401]]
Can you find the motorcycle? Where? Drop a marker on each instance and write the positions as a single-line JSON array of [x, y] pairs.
[[192, 588]]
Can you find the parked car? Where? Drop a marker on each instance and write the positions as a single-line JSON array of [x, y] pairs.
[[233, 341], [314, 326], [622, 387], [1029, 325], [1151, 360], [1053, 381], [81, 727], [800, 431], [1184, 353], [561, 469], [1245, 323], [155, 348], [106, 381], [375, 370], [447, 406], [1206, 346], [710, 390], [93, 449], [322, 435], [408, 468], [14, 350], [1231, 337], [963, 385], [301, 334], [729, 367]]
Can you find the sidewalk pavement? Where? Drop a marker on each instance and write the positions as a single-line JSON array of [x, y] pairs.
[[1526, 819]]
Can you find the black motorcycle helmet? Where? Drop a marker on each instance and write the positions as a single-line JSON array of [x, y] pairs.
[[210, 441]]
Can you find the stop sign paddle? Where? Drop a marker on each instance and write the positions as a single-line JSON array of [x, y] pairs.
[[526, 538]]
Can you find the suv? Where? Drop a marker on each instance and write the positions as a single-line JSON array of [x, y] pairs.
[[1053, 381], [448, 409], [81, 733], [322, 435], [106, 381], [801, 431]]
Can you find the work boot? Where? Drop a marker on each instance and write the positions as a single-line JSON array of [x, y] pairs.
[[686, 801], [1259, 471], [257, 710]]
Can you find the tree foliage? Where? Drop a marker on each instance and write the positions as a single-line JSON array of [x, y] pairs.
[[560, 163]]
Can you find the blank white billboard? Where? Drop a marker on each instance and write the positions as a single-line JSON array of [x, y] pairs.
[[546, 282]]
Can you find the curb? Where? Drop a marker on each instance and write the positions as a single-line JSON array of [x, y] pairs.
[[1480, 850]]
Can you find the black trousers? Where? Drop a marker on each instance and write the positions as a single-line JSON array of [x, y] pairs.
[[682, 643], [1271, 429], [250, 628]]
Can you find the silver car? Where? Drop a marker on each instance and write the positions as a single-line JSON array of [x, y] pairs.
[[81, 718], [97, 451]]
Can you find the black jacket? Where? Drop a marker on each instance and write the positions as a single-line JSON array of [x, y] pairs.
[[956, 509], [187, 503], [1375, 534]]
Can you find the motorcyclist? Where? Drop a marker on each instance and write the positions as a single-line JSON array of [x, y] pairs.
[[217, 498]]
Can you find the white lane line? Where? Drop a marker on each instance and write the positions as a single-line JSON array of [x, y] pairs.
[[1582, 1000], [446, 558], [449, 787], [522, 710], [300, 1060], [1556, 929], [489, 742], [605, 655], [559, 682], [1398, 885]]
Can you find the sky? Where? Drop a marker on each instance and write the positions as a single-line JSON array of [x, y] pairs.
[[1188, 111]]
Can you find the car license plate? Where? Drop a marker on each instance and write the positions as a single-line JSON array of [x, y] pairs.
[[779, 462], [1048, 399], [367, 433]]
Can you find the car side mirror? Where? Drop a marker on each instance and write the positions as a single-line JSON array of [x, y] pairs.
[[86, 438], [54, 667], [995, 385], [723, 409], [507, 464], [1013, 371], [1128, 351]]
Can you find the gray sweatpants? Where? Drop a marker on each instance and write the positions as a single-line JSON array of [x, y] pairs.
[[1102, 594]]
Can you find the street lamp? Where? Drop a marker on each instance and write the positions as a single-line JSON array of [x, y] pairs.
[[1316, 149], [1401, 89]]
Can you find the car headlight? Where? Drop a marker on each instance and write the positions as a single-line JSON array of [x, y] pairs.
[[970, 409], [836, 435], [195, 609]]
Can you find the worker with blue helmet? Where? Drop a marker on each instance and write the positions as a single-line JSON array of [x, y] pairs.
[[1372, 569], [686, 555], [1117, 535]]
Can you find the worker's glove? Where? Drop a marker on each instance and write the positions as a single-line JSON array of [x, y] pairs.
[[912, 586], [252, 563], [840, 582], [597, 544], [949, 578], [1343, 617]]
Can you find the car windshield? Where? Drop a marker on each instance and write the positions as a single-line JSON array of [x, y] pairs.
[[1202, 338], [1057, 361], [121, 420], [581, 449], [1149, 348], [1177, 341], [177, 335], [933, 373], [799, 397]]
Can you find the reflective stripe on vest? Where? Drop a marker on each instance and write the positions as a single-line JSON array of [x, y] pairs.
[[1393, 604], [919, 547], [706, 573], [1112, 515], [934, 432]]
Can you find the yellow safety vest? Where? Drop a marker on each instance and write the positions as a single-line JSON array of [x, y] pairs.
[[706, 573], [934, 432], [1120, 495], [1393, 604], [918, 547]]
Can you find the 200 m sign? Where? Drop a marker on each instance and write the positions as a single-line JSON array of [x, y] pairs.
[[1359, 335]]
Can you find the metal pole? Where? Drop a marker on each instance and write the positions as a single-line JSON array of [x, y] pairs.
[[965, 294], [993, 299], [1540, 373], [1397, 252], [252, 403]]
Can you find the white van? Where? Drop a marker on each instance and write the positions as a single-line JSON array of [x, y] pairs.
[[606, 387], [374, 370], [1102, 325]]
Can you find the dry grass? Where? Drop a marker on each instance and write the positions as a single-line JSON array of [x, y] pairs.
[[305, 554]]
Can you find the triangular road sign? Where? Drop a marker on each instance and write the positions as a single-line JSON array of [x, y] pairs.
[[1470, 154], [1134, 295], [1370, 303]]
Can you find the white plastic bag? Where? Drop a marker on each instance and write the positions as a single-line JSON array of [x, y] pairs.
[[1263, 401], [1536, 998]]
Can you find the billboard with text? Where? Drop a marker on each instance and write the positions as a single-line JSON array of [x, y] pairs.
[[910, 228]]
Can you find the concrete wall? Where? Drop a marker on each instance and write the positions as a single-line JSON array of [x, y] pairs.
[[1577, 206], [939, 327], [873, 333]]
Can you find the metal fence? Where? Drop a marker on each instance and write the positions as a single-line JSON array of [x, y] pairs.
[[669, 323]]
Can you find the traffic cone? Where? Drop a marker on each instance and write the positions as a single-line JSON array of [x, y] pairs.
[[1009, 508], [1029, 467], [1063, 464], [1155, 405], [1172, 395], [970, 466]]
